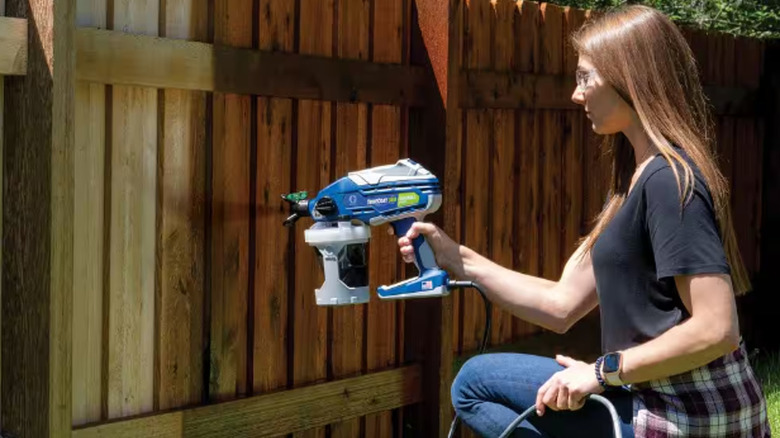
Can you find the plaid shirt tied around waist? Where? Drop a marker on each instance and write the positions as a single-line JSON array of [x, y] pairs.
[[720, 399]]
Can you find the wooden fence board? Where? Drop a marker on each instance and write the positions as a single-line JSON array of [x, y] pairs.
[[351, 136], [38, 182], [551, 147], [277, 413], [382, 329], [313, 172], [476, 162], [527, 139], [274, 163], [181, 225], [230, 216], [725, 74], [503, 165], [573, 148], [132, 245], [747, 167], [89, 256]]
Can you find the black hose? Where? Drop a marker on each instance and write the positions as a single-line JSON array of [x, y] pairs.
[[595, 397], [488, 324]]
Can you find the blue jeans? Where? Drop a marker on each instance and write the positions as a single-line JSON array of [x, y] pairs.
[[491, 390]]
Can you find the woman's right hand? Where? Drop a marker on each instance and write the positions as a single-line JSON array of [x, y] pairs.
[[446, 251]]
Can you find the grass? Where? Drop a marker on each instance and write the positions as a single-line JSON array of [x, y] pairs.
[[767, 368]]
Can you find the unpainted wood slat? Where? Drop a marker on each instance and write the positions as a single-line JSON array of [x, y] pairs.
[[89, 224], [230, 216], [382, 331], [527, 152], [181, 244], [313, 173], [274, 149], [132, 231]]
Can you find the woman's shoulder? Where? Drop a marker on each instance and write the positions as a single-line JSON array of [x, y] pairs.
[[662, 181]]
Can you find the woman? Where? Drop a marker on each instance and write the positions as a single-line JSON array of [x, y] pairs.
[[661, 262]]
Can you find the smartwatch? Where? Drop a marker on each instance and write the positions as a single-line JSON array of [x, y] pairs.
[[611, 367]]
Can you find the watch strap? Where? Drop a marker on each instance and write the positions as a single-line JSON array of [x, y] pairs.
[[599, 377]]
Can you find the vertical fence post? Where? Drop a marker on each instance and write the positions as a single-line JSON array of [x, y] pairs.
[[435, 43], [764, 299], [37, 243]]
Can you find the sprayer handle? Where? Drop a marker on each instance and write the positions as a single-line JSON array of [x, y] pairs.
[[431, 280]]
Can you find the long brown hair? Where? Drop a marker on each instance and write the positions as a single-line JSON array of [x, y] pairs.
[[645, 58]]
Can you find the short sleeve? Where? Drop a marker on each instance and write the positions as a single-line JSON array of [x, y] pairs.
[[684, 242]]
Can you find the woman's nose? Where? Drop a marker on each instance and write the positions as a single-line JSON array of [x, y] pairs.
[[578, 96]]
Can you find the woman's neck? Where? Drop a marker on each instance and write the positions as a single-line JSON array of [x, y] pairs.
[[643, 147]]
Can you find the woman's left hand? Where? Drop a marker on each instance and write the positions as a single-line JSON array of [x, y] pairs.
[[567, 389]]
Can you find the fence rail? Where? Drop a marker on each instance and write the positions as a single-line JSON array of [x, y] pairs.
[[277, 413], [13, 46]]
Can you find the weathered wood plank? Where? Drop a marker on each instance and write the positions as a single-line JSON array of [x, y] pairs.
[[117, 58], [278, 413], [132, 231], [13, 46], [313, 172], [38, 185], [382, 330], [230, 216], [274, 165], [181, 225], [89, 225]]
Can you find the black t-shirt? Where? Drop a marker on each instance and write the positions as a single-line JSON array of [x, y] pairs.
[[649, 241]]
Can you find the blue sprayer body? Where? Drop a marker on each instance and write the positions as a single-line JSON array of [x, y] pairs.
[[398, 194]]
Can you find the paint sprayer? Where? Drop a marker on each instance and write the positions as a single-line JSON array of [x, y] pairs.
[[344, 212]]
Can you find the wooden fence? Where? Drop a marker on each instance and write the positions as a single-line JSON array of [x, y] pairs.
[[166, 299]]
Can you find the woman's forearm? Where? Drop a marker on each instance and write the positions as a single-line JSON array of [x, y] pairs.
[[682, 348], [530, 298]]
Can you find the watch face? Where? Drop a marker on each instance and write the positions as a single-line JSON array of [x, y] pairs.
[[611, 363]]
